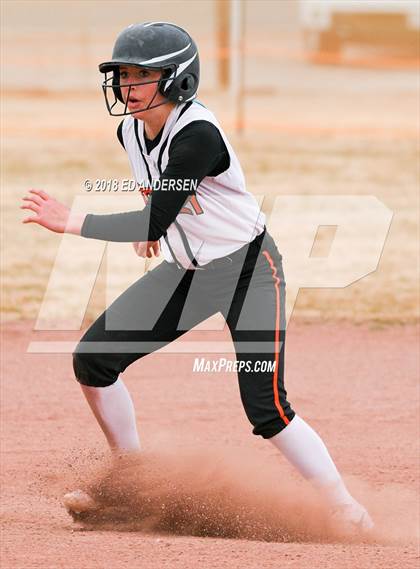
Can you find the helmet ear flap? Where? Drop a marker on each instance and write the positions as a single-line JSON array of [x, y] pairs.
[[188, 83], [116, 81], [184, 88]]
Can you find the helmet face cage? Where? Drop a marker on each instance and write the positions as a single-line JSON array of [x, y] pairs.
[[112, 84], [158, 46]]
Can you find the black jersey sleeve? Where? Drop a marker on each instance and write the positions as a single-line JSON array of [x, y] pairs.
[[197, 151]]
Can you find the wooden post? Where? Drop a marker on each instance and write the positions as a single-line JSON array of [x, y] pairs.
[[238, 61], [223, 25]]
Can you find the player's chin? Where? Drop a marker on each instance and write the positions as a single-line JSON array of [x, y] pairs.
[[136, 111]]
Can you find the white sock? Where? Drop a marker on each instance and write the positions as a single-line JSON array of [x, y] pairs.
[[306, 451], [114, 411]]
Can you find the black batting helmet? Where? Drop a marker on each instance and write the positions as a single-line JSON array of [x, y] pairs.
[[155, 45]]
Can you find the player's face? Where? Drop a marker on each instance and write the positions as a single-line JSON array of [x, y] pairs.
[[142, 93]]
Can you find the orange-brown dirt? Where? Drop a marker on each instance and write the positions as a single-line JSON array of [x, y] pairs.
[[205, 492]]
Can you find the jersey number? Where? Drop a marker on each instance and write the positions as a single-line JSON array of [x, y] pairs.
[[196, 207]]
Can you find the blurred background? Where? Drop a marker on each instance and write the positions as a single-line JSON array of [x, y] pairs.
[[318, 97]]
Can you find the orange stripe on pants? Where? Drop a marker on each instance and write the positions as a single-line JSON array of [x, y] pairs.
[[277, 338]]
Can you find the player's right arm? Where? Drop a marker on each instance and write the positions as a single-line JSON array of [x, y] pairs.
[[52, 214], [194, 153]]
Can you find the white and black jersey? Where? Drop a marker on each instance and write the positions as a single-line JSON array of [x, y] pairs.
[[197, 205]]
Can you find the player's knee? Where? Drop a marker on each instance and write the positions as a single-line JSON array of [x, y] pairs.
[[92, 369], [270, 428]]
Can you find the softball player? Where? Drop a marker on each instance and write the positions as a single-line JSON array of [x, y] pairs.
[[218, 257]]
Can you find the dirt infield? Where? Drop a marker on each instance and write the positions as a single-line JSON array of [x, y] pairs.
[[206, 493]]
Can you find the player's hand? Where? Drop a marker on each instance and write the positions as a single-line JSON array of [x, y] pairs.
[[48, 211], [146, 248], [52, 214]]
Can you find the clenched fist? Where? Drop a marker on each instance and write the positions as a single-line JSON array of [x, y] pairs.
[[146, 248]]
